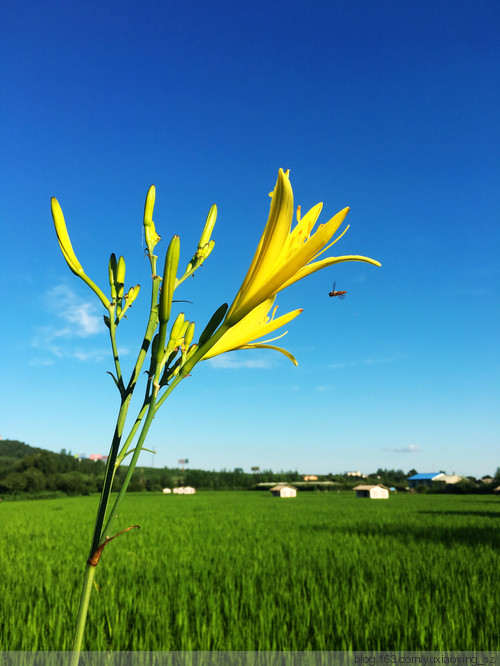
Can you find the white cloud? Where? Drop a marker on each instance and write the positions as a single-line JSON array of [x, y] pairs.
[[411, 448], [73, 318], [41, 361], [366, 361], [231, 362], [64, 303]]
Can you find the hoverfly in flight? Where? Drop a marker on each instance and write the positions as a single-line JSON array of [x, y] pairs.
[[333, 293]]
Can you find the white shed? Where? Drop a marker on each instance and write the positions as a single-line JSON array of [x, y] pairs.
[[373, 492], [184, 490], [284, 490], [166, 491]]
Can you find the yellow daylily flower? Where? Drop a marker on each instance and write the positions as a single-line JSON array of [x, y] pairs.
[[283, 255], [256, 324]]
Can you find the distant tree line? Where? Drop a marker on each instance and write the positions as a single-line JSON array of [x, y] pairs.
[[26, 471]]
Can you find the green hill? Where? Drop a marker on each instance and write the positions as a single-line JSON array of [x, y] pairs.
[[11, 450]]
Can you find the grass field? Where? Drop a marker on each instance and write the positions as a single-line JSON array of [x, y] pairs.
[[246, 571]]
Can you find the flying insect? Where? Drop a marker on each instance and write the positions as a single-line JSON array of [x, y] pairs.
[[333, 293]]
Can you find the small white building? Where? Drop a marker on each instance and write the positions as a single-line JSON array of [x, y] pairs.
[[184, 490], [450, 478], [373, 492], [284, 490], [166, 491]]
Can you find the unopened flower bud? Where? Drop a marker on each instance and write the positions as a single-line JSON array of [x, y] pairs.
[[209, 226], [132, 294], [112, 276], [150, 234], [120, 277], [68, 252], [169, 274], [176, 331], [188, 335], [205, 251]]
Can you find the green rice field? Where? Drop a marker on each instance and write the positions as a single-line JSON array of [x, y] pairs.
[[248, 571]]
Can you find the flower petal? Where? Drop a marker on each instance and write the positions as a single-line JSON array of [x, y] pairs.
[[271, 243], [252, 327], [279, 349], [300, 232], [323, 263]]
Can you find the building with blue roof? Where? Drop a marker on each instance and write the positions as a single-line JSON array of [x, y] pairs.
[[426, 479]]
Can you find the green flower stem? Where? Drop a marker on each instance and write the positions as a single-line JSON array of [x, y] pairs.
[[150, 329], [126, 397], [109, 474], [152, 409], [114, 346], [88, 582], [97, 539], [131, 435]]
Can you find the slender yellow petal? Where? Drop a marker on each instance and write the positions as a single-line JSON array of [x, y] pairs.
[[335, 240], [272, 240], [300, 232], [252, 327], [279, 349], [323, 263], [277, 228]]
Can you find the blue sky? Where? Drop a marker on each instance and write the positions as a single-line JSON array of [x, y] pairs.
[[390, 108]]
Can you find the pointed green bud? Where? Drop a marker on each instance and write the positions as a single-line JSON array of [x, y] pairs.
[[68, 252], [168, 285], [184, 329], [187, 362], [129, 297], [150, 234], [189, 334], [63, 238], [120, 277], [107, 321], [209, 226], [176, 331], [154, 348], [205, 251], [132, 294], [112, 276], [191, 350], [213, 324]]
